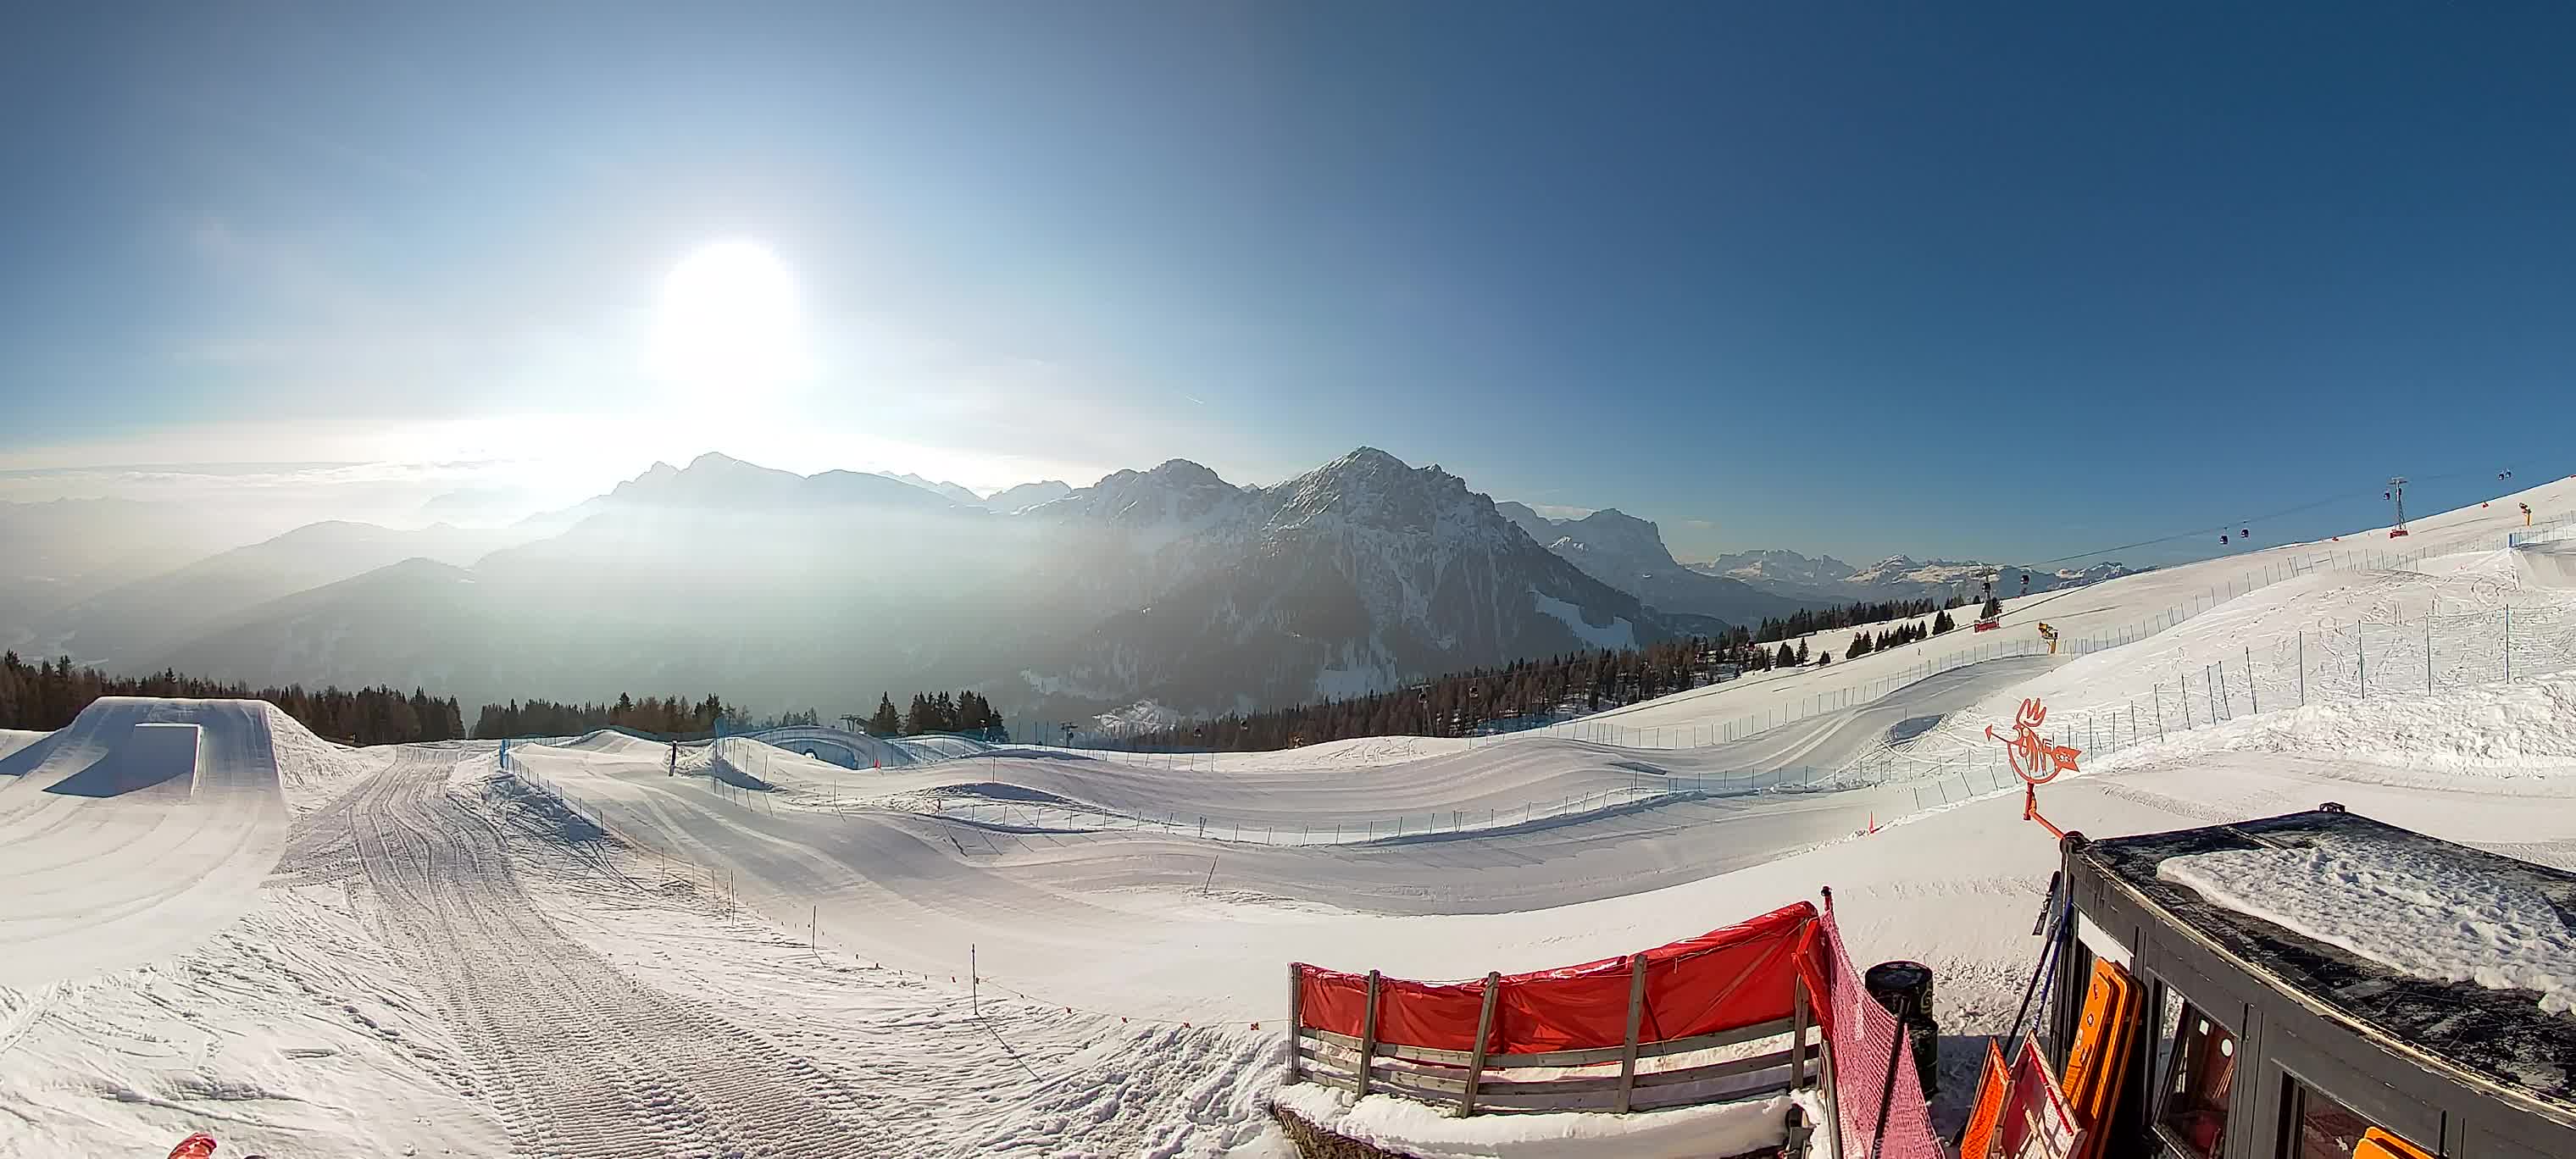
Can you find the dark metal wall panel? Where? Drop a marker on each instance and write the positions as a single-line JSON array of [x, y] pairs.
[[2278, 1036]]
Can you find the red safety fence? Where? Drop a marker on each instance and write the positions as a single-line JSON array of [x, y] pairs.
[[1727, 979], [1873, 1068]]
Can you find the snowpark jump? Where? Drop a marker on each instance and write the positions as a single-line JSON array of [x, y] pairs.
[[1042, 951]]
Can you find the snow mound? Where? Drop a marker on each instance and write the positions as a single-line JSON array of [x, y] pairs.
[[141, 828], [609, 740], [2494, 732], [1412, 1128], [2419, 911]]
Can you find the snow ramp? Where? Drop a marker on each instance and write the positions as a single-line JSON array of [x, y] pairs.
[[136, 831], [858, 750]]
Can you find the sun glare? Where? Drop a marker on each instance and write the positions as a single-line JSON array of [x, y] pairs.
[[729, 323]]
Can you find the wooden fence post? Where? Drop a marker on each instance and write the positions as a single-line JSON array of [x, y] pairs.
[[1798, 1037], [1368, 1037], [1296, 1020], [1636, 1013], [1484, 1029]]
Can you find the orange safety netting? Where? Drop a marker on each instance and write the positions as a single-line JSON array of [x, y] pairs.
[[1742, 975]]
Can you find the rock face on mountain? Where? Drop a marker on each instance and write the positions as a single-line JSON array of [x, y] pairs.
[[780, 590], [1358, 576], [1628, 553]]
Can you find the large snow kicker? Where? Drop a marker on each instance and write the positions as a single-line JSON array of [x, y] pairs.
[[135, 831]]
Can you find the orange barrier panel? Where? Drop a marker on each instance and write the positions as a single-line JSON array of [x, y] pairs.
[[2378, 1144], [1742, 975], [1989, 1107], [2100, 1052]]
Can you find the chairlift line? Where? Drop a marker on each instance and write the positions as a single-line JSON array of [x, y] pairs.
[[2286, 511]]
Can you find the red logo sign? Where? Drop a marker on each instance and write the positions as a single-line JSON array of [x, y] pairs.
[[2036, 760]]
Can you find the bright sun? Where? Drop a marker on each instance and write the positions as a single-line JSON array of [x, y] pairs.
[[729, 322]]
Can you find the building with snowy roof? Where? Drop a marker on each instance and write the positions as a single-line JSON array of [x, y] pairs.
[[2316, 984]]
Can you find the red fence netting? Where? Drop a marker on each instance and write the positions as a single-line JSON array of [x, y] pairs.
[[1866, 1041], [1742, 975]]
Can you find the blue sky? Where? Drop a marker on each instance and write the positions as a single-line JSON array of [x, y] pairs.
[[2016, 283]]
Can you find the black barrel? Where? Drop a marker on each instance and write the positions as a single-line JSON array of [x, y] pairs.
[[1905, 989]]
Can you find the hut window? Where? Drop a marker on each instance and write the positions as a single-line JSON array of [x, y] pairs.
[[2193, 1117], [2323, 1128]]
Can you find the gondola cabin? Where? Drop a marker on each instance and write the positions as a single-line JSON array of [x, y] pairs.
[[2314, 986]]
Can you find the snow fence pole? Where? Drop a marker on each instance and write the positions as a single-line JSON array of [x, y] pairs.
[[1887, 1091], [2303, 668], [2428, 654], [1297, 1024], [1368, 1036], [2508, 643], [2361, 655], [2252, 694], [1797, 1034]]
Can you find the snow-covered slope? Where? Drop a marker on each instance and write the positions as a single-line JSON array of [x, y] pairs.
[[931, 960], [141, 828]]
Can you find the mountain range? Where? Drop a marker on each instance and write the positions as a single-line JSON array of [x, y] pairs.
[[782, 590], [1005, 501], [1825, 580], [1628, 553]]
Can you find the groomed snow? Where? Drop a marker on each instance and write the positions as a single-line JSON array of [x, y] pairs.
[[144, 826], [1412, 1128], [2423, 912], [447, 959]]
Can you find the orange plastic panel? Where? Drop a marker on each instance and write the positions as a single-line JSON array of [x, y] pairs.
[[2378, 1144], [2100, 1052], [1988, 1110]]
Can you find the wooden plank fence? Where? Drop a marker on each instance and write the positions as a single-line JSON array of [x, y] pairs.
[[1641, 1081]]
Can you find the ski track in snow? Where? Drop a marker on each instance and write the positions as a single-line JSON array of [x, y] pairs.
[[444, 958], [578, 1058]]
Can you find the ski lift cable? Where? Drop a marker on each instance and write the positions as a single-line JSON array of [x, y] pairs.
[[2232, 524]]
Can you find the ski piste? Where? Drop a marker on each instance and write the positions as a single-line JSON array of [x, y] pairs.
[[806, 928]]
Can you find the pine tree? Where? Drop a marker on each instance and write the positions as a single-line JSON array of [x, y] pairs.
[[1802, 651], [1994, 608]]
